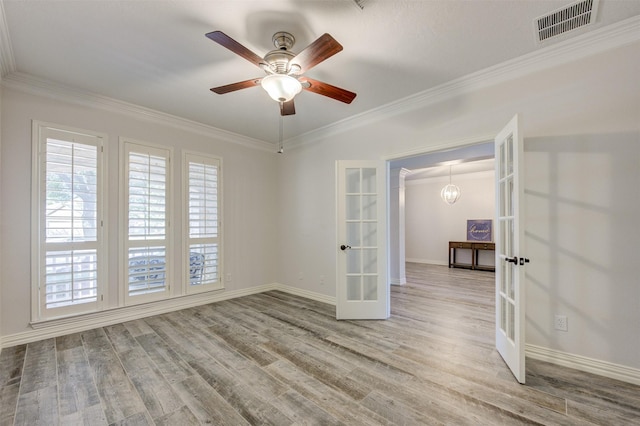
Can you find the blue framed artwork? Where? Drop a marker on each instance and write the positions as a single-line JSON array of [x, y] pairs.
[[479, 230]]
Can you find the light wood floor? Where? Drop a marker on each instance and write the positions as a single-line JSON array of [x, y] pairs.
[[278, 359]]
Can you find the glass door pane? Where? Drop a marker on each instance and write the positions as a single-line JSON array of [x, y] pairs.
[[361, 224]]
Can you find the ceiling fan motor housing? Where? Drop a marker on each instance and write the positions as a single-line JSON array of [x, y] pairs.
[[278, 59], [283, 40]]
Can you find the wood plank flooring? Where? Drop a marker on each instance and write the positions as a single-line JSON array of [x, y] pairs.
[[279, 359]]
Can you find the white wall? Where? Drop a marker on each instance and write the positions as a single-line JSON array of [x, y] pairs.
[[249, 215], [582, 195], [431, 223], [595, 95]]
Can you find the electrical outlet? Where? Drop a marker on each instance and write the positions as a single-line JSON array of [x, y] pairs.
[[560, 323], [228, 278]]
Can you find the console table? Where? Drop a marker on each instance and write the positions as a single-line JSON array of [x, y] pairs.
[[474, 246]]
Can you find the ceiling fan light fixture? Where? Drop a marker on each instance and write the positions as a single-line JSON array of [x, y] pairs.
[[281, 87]]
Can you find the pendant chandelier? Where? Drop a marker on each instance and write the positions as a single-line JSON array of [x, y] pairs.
[[450, 193]]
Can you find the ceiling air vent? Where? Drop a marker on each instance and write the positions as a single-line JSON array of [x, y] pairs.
[[568, 18]]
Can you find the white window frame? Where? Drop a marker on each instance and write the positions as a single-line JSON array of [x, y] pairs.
[[126, 146], [41, 131], [188, 241]]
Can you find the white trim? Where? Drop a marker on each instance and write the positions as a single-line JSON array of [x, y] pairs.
[[36, 134], [331, 300], [442, 146], [588, 44], [127, 146], [462, 177], [42, 87], [40, 130], [206, 159], [74, 324], [398, 281], [583, 363]]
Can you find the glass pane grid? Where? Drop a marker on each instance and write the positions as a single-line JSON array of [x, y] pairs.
[[511, 320], [202, 212], [71, 277], [203, 200], [203, 264], [70, 196], [361, 234], [147, 197], [147, 270]]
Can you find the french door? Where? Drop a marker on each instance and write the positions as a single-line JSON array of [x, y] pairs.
[[362, 287], [509, 235]]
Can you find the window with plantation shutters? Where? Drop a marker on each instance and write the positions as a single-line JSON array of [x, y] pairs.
[[202, 209], [68, 248], [146, 195]]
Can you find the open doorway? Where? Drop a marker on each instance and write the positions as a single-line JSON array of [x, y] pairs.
[[509, 237], [423, 233]]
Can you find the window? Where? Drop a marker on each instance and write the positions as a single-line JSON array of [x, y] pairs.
[[68, 248], [201, 210], [146, 200]]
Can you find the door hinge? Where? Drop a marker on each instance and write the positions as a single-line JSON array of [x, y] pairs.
[[102, 297]]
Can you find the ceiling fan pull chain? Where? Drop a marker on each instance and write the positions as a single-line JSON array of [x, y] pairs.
[[280, 135]]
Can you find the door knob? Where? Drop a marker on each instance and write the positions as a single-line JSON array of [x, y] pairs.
[[343, 247], [512, 260]]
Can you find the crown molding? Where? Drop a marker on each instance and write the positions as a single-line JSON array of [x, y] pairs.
[[38, 86], [7, 62], [601, 40], [588, 44]]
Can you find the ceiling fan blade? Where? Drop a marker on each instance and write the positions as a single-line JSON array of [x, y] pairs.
[[287, 108], [225, 41], [327, 89], [221, 90], [323, 48]]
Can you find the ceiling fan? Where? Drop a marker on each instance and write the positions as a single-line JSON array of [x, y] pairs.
[[284, 69]]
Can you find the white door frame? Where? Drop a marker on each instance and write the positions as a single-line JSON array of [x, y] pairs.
[[456, 144]]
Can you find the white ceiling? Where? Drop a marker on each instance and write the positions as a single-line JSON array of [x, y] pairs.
[[154, 53]]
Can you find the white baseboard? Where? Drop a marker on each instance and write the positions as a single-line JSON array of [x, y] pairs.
[[306, 294], [399, 281], [62, 326], [583, 363]]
